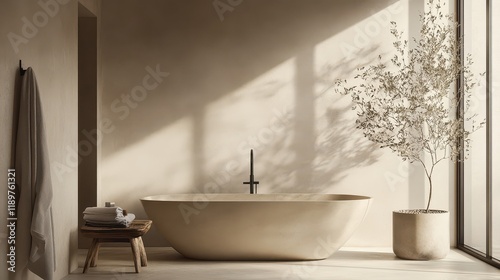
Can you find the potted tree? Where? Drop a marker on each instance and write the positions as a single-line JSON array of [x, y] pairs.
[[409, 105]]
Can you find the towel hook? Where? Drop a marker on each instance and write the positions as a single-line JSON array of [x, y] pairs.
[[21, 68]]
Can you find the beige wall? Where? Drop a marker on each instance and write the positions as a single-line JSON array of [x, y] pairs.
[[88, 91], [93, 6], [51, 50], [255, 76]]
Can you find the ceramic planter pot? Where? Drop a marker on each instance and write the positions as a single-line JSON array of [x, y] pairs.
[[417, 235]]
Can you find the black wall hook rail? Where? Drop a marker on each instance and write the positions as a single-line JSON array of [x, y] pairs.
[[21, 70]]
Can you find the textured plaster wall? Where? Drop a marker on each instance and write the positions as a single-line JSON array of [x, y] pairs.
[[190, 88], [47, 42]]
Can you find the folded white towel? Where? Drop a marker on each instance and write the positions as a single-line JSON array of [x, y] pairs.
[[129, 218], [125, 221], [103, 210], [107, 217], [103, 218]]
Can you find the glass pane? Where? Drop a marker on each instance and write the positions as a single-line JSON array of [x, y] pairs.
[[495, 124], [475, 165]]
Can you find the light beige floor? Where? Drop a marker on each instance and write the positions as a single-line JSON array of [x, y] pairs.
[[348, 263]]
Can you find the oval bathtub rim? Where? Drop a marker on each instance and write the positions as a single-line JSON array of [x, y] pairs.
[[236, 197]]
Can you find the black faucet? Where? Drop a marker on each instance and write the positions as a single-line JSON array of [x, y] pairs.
[[253, 184]]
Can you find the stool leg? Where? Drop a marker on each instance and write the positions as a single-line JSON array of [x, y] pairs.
[[136, 253], [90, 254], [144, 258], [93, 262]]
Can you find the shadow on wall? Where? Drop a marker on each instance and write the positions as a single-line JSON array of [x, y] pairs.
[[206, 58], [249, 81], [335, 147]]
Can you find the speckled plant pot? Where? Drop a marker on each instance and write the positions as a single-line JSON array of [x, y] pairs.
[[417, 235]]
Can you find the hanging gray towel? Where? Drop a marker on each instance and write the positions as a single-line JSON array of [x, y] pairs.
[[35, 230]]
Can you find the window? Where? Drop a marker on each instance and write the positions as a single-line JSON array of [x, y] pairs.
[[479, 175]]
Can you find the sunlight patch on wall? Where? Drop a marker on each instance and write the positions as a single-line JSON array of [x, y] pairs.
[[341, 147], [154, 165], [255, 116], [360, 43]]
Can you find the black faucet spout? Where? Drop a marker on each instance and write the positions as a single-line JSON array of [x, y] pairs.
[[253, 184]]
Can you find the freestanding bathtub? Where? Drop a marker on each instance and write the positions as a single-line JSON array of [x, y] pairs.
[[256, 226]]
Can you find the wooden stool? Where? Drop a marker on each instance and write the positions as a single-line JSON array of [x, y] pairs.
[[132, 234]]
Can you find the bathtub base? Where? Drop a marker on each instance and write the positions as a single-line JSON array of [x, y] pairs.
[[254, 258], [264, 227]]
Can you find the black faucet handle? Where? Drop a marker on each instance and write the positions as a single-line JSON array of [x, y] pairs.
[[248, 183]]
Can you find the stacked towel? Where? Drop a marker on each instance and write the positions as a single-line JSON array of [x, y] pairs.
[[107, 217]]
